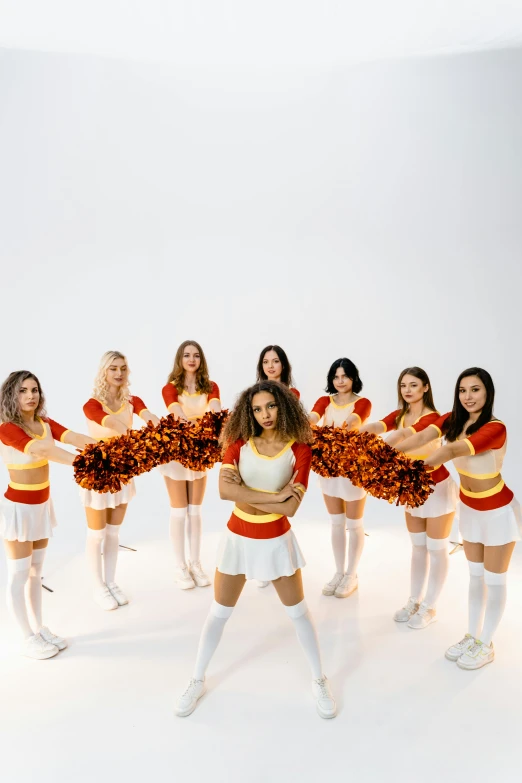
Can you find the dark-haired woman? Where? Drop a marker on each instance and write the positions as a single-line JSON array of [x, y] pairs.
[[429, 525], [273, 365], [265, 473], [27, 443], [188, 394], [489, 514], [344, 502]]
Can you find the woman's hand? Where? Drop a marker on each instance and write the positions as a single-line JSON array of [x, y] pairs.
[[231, 476], [177, 412], [291, 490]]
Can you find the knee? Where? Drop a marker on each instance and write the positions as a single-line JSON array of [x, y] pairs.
[[476, 569], [297, 610], [220, 610], [436, 544], [492, 578], [354, 524], [418, 539]]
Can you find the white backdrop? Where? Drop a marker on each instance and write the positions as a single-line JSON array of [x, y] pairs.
[[371, 211]]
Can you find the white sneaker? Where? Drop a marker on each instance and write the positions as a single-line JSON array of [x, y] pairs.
[[454, 652], [183, 578], [329, 588], [477, 656], [404, 614], [198, 575], [346, 586], [188, 700], [36, 647], [117, 594], [423, 617], [259, 583], [324, 701], [105, 598], [51, 638]]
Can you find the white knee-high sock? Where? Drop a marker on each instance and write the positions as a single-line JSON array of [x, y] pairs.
[[476, 599], [194, 531], [95, 539], [177, 534], [339, 541], [355, 529], [17, 576], [110, 552], [307, 635], [439, 564], [33, 589], [419, 565], [495, 604], [211, 636]]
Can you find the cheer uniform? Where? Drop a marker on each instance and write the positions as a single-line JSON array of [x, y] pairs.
[[26, 511], [333, 415]]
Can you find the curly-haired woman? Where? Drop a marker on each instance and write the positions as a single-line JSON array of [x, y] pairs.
[[344, 502], [188, 394], [265, 473], [27, 518], [109, 413]]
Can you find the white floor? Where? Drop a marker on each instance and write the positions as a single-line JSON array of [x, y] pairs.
[[102, 710]]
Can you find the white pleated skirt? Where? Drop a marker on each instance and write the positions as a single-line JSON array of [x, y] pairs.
[[265, 559], [178, 472], [26, 521], [492, 528], [341, 488], [102, 500], [442, 500]]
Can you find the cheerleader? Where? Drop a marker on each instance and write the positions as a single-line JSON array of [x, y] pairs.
[[27, 518], [273, 365], [188, 394], [265, 473], [429, 525], [109, 413], [489, 514], [344, 502]]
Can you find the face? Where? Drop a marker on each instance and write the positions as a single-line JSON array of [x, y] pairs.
[[341, 382], [272, 366], [264, 408], [117, 373], [412, 389], [472, 394], [191, 359], [28, 396]]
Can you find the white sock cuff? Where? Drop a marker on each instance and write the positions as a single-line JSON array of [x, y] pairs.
[[218, 610], [435, 544], [476, 569], [338, 519], [297, 610], [38, 555], [490, 578], [178, 513], [113, 531], [20, 564], [353, 524], [99, 534], [193, 510], [418, 539]]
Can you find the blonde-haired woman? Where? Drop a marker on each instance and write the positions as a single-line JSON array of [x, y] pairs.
[[109, 413], [188, 394], [27, 443]]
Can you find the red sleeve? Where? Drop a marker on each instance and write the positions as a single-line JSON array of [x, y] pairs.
[[320, 406], [57, 431], [214, 394], [93, 409], [296, 392], [490, 436], [138, 405], [390, 421], [170, 394], [425, 421], [439, 423], [232, 454], [362, 409], [13, 435], [303, 461]]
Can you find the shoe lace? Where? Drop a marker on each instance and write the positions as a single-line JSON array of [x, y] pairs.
[[412, 603], [197, 569], [323, 690], [475, 648], [423, 609], [190, 687], [186, 573], [335, 580]]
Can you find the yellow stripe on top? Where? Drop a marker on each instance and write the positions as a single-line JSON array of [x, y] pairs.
[[477, 475], [262, 456], [29, 487], [470, 444], [227, 465], [259, 518], [487, 493], [28, 465], [62, 436]]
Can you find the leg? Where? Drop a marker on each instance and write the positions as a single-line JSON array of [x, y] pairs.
[[336, 508], [476, 601], [178, 497], [33, 588], [438, 530], [355, 527], [19, 554], [115, 517], [196, 493], [96, 536], [418, 570], [496, 563]]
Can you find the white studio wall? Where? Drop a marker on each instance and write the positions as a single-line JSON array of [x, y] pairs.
[[369, 211]]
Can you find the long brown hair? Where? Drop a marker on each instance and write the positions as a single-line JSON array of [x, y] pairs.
[[9, 404], [427, 399], [454, 424], [286, 371], [292, 419], [177, 374]]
